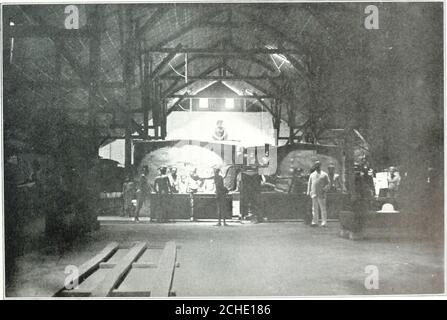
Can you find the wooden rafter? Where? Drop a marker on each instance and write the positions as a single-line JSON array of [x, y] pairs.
[[202, 74], [223, 52], [45, 31], [180, 99], [275, 32], [191, 59], [152, 21], [71, 84], [165, 61], [193, 24], [255, 59], [243, 96], [223, 77], [251, 83]]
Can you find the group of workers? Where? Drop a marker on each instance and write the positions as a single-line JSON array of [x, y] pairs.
[[166, 184], [316, 186]]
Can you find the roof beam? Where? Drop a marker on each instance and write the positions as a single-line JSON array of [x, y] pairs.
[[46, 31], [254, 85], [164, 62], [245, 96], [223, 52], [303, 73], [82, 72], [152, 21], [71, 84], [193, 24], [275, 32], [228, 78], [322, 21], [202, 74], [255, 59], [191, 59], [180, 99]]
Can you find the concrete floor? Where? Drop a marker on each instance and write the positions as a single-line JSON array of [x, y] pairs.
[[268, 259]]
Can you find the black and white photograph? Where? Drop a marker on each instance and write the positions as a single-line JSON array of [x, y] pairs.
[[226, 149]]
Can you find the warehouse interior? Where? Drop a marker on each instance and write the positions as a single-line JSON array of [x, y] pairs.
[[93, 94]]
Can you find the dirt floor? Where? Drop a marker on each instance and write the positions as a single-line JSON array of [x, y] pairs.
[[267, 259]]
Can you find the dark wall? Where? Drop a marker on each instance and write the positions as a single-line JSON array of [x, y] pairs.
[[389, 82]]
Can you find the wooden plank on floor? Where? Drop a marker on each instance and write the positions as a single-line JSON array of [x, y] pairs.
[[85, 287], [91, 265], [139, 280], [151, 255], [119, 254], [106, 286], [141, 265], [165, 271]]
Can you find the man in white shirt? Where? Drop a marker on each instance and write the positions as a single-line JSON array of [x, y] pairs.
[[316, 189], [393, 182]]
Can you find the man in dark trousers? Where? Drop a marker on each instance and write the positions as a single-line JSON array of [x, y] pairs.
[[250, 190], [221, 191], [143, 192], [164, 190], [363, 191]]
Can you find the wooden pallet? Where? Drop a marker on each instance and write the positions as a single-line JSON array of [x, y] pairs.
[[138, 271]]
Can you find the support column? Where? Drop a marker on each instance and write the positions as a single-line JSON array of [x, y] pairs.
[[164, 113], [147, 62], [348, 152], [94, 25], [128, 78]]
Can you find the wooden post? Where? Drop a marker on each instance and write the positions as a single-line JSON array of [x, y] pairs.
[[164, 112], [146, 92], [164, 120], [155, 108], [348, 152], [128, 74], [94, 24], [276, 119]]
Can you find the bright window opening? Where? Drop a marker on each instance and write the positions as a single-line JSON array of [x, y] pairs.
[[229, 103], [203, 103]]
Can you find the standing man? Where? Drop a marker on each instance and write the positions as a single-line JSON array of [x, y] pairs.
[[393, 183], [220, 133], [192, 187], [128, 196], [143, 192], [174, 179], [316, 189], [163, 189], [361, 197], [221, 191]]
